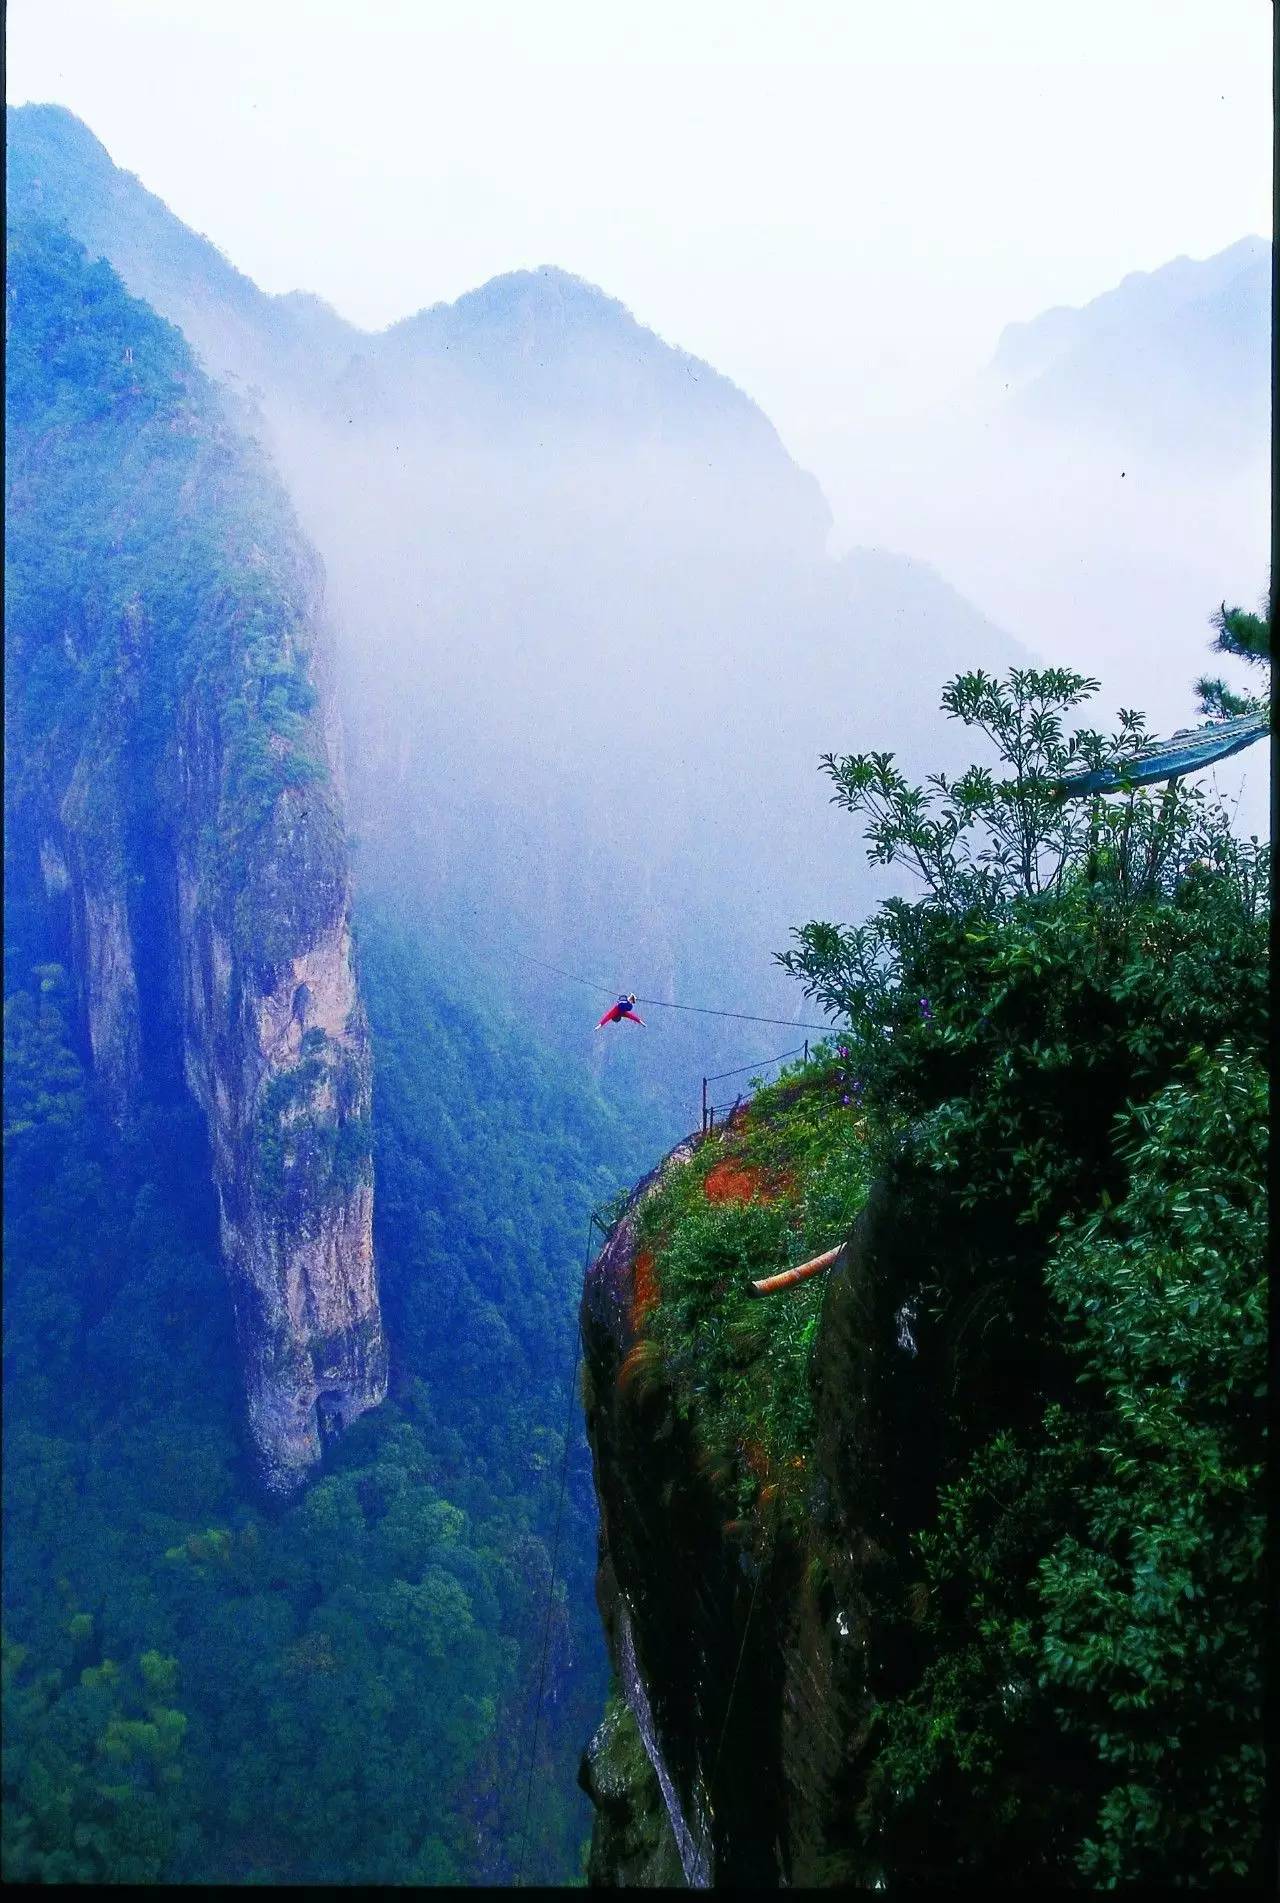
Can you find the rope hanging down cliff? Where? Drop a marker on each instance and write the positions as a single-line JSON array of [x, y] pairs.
[[592, 1224]]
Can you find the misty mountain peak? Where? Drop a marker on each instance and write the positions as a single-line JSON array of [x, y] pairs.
[[548, 320], [547, 292], [55, 129], [542, 356], [1171, 363], [1142, 298], [57, 170]]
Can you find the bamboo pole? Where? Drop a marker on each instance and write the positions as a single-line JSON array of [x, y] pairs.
[[789, 1277]]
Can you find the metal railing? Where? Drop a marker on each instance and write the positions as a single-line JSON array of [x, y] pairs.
[[710, 1110]]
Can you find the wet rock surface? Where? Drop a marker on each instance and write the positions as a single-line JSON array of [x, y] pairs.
[[276, 1051], [633, 1846], [746, 1647], [176, 824]]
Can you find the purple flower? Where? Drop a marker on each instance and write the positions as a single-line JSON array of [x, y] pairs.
[[857, 1088], [844, 1100], [926, 1009]]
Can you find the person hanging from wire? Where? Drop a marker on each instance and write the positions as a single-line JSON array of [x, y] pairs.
[[624, 1008]]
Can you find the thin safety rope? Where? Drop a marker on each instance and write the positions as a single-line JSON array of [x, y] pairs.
[[758, 1065], [748, 1017], [662, 1004]]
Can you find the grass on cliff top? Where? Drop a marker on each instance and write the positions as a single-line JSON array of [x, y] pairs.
[[779, 1184]]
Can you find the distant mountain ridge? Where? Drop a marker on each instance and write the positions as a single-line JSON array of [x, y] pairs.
[[1176, 358], [57, 169], [534, 342], [584, 603]]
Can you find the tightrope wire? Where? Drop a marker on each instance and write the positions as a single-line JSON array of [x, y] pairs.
[[664, 1004]]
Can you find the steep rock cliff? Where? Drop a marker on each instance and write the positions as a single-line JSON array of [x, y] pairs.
[[944, 1567], [741, 1671], [174, 812], [758, 1611]]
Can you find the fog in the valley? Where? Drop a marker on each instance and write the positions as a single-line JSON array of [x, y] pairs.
[[592, 646], [1105, 483], [595, 638], [595, 627]]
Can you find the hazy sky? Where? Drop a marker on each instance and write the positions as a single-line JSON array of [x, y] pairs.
[[838, 203]]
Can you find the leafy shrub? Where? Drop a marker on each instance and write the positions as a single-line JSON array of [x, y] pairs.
[[1060, 1054], [794, 1163]]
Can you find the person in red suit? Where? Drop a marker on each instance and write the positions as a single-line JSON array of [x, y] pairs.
[[624, 1008]]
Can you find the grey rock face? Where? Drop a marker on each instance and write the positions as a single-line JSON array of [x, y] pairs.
[[276, 1051], [175, 816]]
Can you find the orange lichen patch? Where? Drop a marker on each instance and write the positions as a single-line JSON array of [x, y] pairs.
[[732, 1182], [768, 1493], [644, 1287]]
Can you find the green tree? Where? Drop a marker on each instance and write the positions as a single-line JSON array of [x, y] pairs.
[[1246, 637], [1060, 1052], [1152, 1613]]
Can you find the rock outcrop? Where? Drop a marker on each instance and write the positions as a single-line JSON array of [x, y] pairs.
[[175, 818], [276, 1051], [742, 1646]]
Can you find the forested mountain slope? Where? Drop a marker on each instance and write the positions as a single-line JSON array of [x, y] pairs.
[[589, 636], [196, 1689], [174, 820], [188, 1082], [57, 171], [945, 1567]]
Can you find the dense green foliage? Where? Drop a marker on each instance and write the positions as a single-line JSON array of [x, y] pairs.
[[1245, 637], [1153, 1613], [197, 1689], [365, 1656], [1060, 1051], [780, 1183], [157, 599]]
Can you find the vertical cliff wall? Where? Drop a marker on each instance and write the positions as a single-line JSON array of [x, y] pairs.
[[753, 1618], [678, 1587], [175, 816], [953, 1576], [757, 1462]]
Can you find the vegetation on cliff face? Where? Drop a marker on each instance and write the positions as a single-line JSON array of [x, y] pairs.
[[151, 565], [781, 1182], [198, 1689], [1062, 1053], [1055, 1070], [365, 1657], [174, 830]]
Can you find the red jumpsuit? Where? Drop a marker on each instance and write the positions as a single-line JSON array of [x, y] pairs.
[[616, 1013]]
